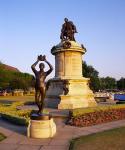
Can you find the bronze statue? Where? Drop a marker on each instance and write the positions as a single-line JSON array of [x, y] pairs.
[[40, 88], [68, 30]]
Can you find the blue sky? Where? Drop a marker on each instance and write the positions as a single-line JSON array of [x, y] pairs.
[[31, 27]]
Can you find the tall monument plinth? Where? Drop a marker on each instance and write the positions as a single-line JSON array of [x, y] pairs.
[[68, 89]]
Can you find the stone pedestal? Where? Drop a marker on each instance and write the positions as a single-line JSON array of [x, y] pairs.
[[41, 128], [68, 89]]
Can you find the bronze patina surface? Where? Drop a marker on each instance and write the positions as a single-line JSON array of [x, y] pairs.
[[68, 30], [40, 76]]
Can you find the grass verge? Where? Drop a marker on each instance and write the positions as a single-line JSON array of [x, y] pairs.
[[17, 98], [107, 140]]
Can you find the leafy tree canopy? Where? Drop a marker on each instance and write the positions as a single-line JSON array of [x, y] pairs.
[[90, 72], [14, 79]]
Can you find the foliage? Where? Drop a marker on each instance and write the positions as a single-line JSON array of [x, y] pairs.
[[97, 83], [89, 71], [2, 137], [92, 73], [121, 84], [101, 114], [10, 113], [108, 83], [15, 80]]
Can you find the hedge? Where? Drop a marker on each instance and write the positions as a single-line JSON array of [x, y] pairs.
[[13, 115], [10, 113], [15, 119]]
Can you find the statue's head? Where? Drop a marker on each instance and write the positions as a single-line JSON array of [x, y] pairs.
[[41, 66], [65, 19]]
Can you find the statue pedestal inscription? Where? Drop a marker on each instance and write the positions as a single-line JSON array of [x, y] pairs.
[[69, 89], [41, 128]]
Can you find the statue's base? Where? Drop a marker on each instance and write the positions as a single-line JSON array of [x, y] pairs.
[[79, 94], [72, 102], [41, 126], [69, 90]]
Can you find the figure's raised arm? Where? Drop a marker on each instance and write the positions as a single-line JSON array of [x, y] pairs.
[[50, 67], [34, 65]]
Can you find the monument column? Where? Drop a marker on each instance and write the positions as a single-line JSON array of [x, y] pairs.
[[68, 89], [68, 61]]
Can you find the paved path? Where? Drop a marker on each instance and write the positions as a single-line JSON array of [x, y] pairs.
[[17, 140]]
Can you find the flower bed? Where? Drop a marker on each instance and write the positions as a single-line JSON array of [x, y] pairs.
[[92, 116]]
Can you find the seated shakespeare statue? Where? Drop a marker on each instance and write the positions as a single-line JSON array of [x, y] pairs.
[[68, 30], [40, 76]]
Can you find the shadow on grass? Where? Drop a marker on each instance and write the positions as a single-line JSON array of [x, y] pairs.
[[15, 128]]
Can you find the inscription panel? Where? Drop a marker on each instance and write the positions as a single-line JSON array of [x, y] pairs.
[[68, 64], [59, 65], [77, 64]]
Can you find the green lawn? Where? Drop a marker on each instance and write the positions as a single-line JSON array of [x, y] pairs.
[[9, 111], [2, 137], [17, 98], [108, 140]]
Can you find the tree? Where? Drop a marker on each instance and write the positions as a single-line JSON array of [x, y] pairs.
[[108, 83], [21, 81], [90, 72], [15, 80], [121, 84]]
